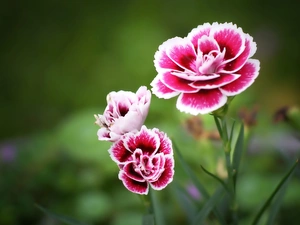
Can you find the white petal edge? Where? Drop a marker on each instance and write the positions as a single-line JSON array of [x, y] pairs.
[[183, 108], [155, 90], [256, 64]]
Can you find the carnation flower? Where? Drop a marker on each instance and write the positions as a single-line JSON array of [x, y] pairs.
[[125, 112], [144, 158], [205, 68]]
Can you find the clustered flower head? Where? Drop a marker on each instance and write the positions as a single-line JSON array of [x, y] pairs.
[[205, 68], [144, 156]]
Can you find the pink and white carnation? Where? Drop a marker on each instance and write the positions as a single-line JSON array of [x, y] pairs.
[[125, 112], [145, 159], [205, 68]]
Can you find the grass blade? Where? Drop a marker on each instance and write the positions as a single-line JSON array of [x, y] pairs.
[[196, 182], [187, 202], [237, 154], [219, 127], [276, 205], [190, 173], [157, 210], [208, 207], [217, 179], [269, 200], [232, 130]]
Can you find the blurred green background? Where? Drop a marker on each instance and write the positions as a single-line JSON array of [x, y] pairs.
[[59, 59]]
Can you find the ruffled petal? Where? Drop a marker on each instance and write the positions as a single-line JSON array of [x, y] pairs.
[[207, 44], [204, 101], [167, 176], [182, 52], [235, 65], [131, 173], [104, 134], [230, 37], [165, 143], [248, 73], [161, 90], [143, 94], [198, 32], [120, 100], [194, 76], [132, 185], [162, 61], [215, 83], [132, 122], [119, 153], [158, 162], [147, 141], [176, 83], [212, 63]]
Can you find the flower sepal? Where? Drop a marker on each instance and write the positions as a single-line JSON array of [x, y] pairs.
[[222, 112]]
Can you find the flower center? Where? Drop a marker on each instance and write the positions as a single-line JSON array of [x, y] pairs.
[[123, 110], [210, 63], [144, 166]]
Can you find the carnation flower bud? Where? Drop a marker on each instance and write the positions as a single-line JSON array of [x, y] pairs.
[[125, 112]]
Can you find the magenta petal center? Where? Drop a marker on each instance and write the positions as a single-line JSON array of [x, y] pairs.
[[149, 167]]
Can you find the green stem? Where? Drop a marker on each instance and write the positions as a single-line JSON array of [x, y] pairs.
[[222, 127], [148, 217], [156, 207], [147, 203]]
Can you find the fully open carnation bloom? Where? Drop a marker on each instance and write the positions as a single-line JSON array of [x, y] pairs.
[[204, 68], [144, 158], [125, 112]]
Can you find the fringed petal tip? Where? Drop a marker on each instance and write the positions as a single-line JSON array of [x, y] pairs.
[[203, 102], [161, 90], [248, 72]]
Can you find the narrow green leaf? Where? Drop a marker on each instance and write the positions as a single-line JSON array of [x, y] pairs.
[[187, 202], [157, 210], [231, 132], [217, 179], [148, 219], [196, 182], [274, 208], [61, 218], [190, 172], [219, 127], [269, 200], [224, 130], [237, 154], [208, 207]]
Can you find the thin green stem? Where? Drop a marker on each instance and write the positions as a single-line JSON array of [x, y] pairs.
[[156, 207], [222, 128], [154, 212], [227, 151], [148, 217], [146, 201]]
